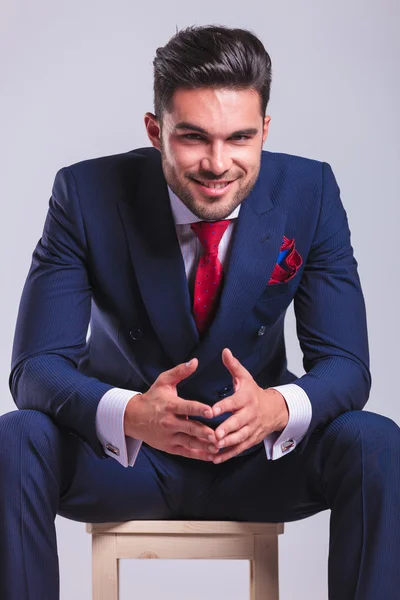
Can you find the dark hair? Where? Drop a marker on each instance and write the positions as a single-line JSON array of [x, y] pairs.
[[211, 56]]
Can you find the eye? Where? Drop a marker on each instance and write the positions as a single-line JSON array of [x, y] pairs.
[[193, 136], [239, 138], [198, 137]]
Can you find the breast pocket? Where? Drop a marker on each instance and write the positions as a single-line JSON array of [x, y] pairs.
[[273, 302], [275, 291]]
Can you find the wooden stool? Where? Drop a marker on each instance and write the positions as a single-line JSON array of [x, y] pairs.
[[256, 542]]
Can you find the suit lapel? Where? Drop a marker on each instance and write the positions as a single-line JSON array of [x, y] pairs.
[[158, 261]]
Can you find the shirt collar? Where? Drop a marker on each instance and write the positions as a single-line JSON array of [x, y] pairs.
[[182, 215]]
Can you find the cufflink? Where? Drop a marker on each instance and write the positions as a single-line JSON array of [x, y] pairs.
[[113, 449], [287, 445]]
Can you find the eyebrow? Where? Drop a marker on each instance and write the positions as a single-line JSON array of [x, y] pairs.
[[186, 125]]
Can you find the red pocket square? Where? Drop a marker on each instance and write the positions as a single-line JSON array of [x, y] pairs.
[[289, 266]]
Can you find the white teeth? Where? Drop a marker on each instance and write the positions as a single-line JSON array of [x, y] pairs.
[[214, 185]]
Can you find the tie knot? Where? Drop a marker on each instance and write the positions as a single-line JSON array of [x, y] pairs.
[[210, 233]]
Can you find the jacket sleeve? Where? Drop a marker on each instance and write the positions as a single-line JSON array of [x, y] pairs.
[[52, 323], [331, 317]]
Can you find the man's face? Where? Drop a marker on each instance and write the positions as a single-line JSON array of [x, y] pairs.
[[210, 136]]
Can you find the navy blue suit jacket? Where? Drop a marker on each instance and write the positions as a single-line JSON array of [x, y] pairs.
[[109, 255]]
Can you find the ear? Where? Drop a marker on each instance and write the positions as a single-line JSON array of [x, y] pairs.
[[267, 119], [153, 129]]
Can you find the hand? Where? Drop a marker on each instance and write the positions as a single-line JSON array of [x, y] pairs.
[[160, 417], [256, 412]]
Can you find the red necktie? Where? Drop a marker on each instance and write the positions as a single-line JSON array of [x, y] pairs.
[[209, 274]]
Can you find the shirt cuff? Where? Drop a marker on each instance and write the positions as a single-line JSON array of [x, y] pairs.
[[277, 444], [110, 427]]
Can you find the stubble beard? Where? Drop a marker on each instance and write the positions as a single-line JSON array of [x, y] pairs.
[[220, 208]]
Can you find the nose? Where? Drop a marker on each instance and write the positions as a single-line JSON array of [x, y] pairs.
[[217, 159]]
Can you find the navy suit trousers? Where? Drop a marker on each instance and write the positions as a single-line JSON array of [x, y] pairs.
[[351, 467]]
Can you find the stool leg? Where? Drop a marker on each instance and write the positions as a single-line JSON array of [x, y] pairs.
[[264, 579], [105, 568]]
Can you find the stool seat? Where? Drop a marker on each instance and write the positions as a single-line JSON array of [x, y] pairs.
[[256, 542]]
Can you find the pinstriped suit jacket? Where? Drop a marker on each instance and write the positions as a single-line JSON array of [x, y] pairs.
[[109, 255]]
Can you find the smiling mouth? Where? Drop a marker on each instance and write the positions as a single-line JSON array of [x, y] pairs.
[[214, 185]]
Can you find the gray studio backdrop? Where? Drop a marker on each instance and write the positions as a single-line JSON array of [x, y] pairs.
[[75, 82]]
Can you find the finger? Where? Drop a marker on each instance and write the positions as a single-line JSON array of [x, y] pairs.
[[178, 373], [234, 451], [191, 408], [233, 439], [230, 404], [231, 425], [197, 454], [196, 429], [192, 443], [235, 367]]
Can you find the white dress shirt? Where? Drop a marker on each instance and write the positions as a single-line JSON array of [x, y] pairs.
[[111, 408]]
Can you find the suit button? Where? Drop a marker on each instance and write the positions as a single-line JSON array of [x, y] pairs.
[[224, 392], [262, 330], [136, 334]]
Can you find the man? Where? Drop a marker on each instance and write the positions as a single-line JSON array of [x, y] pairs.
[[184, 258]]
